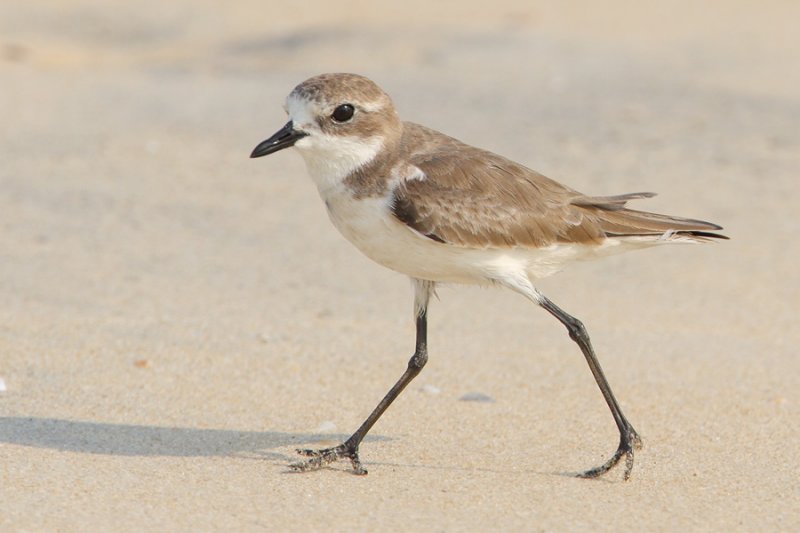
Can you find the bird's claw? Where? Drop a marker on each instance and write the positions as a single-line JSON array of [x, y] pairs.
[[324, 457], [629, 441]]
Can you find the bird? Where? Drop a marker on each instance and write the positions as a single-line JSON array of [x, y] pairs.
[[440, 211]]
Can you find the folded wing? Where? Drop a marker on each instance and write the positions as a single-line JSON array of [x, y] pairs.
[[474, 198]]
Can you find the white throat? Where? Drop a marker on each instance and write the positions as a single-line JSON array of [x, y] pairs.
[[331, 158]]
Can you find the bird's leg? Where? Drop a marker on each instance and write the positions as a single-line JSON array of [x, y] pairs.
[[349, 448], [628, 438]]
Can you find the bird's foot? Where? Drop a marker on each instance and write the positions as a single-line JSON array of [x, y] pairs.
[[629, 440], [324, 457]]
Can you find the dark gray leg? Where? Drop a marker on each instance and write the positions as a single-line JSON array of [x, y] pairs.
[[349, 448], [628, 438]]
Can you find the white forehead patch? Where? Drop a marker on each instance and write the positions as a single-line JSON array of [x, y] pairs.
[[301, 111]]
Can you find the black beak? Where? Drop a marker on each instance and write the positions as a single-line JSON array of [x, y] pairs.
[[284, 138]]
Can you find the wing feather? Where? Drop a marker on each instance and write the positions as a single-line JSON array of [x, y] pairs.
[[474, 198]]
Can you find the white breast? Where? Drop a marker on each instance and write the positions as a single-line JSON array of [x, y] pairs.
[[369, 224]]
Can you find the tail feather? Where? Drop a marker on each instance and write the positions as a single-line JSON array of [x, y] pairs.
[[618, 221]]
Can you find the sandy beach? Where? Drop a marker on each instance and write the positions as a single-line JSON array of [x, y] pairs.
[[177, 318]]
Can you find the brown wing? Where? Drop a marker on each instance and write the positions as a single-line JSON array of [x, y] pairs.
[[474, 198]]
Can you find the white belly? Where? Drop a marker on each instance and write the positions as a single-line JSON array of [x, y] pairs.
[[370, 225]]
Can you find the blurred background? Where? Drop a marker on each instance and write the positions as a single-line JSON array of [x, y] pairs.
[[151, 274]]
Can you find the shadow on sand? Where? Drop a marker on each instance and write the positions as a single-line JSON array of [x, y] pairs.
[[132, 440]]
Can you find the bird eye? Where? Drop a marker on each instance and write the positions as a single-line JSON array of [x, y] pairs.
[[343, 113]]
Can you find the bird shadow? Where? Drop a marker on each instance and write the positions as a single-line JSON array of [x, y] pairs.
[[103, 438], [132, 440]]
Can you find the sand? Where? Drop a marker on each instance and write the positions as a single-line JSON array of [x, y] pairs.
[[177, 318]]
